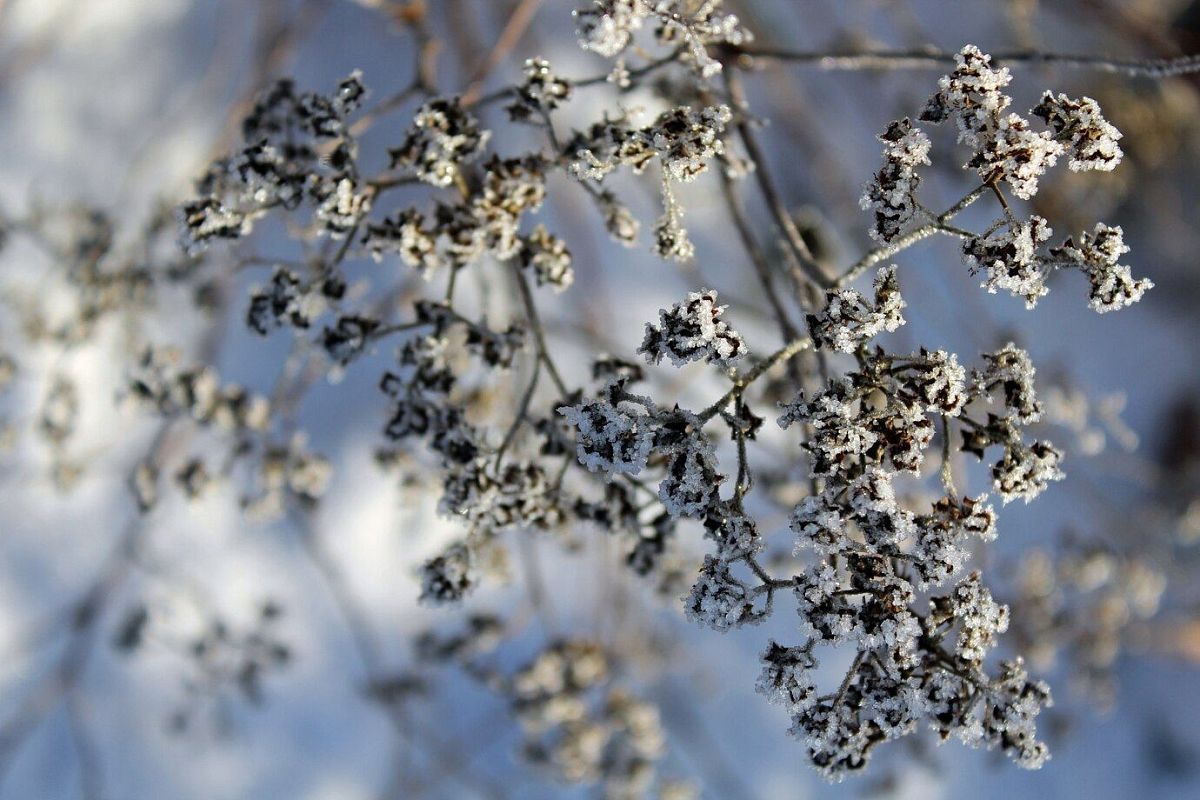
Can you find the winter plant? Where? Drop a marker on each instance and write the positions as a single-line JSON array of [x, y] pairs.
[[836, 478]]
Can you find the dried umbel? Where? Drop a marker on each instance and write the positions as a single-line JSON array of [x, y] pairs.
[[1006, 150], [1112, 284], [1083, 130], [1009, 257]]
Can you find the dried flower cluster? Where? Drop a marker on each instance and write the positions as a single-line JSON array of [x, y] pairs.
[[427, 276], [1006, 149], [886, 575], [578, 723], [608, 27]]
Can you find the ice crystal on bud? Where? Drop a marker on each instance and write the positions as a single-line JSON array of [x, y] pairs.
[[1017, 154], [818, 522], [442, 139], [693, 330], [841, 437], [1079, 125], [721, 601], [690, 486], [874, 507], [891, 195], [1097, 254], [1025, 472], [1011, 371], [611, 438], [979, 618], [786, 678], [942, 536], [735, 533], [1007, 716], [1010, 259], [849, 321], [972, 95], [938, 381], [687, 140]]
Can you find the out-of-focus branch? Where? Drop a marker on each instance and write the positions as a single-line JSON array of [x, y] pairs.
[[936, 59], [516, 26], [796, 246]]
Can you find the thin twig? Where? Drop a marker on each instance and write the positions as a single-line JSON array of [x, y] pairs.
[[539, 333], [947, 466], [522, 411], [518, 23], [873, 257], [796, 245], [790, 349]]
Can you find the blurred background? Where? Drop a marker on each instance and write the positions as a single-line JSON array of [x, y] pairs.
[[117, 105]]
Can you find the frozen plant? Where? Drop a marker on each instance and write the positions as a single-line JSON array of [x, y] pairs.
[[578, 442]]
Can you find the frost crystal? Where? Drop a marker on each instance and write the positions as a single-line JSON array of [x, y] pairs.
[[891, 195], [719, 600], [693, 331], [691, 483], [1025, 472], [938, 381], [972, 95], [1079, 125], [1097, 255], [786, 677], [443, 137], [1010, 259], [849, 321], [979, 618], [1017, 154], [611, 438], [1011, 371]]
